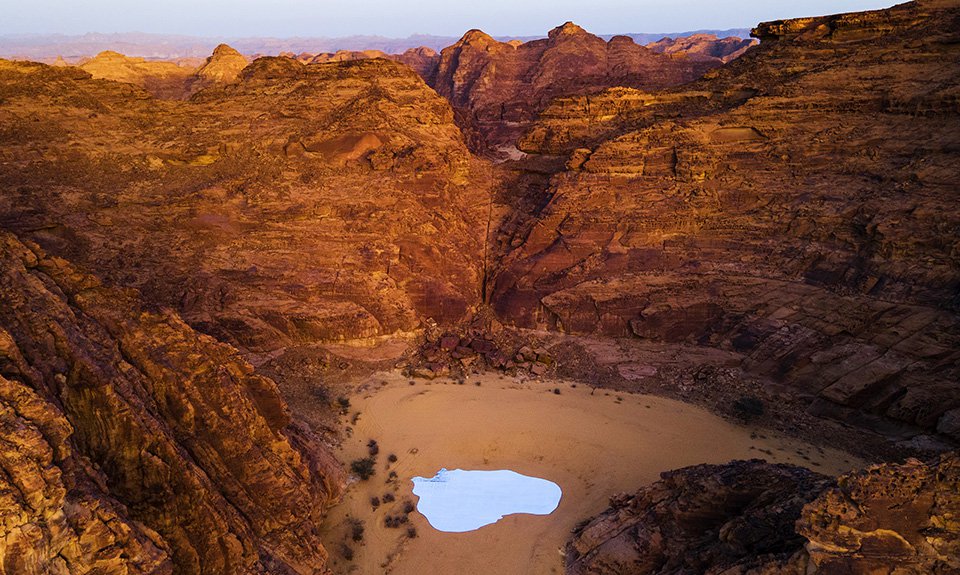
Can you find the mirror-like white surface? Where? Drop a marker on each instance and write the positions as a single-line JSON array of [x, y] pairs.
[[457, 501]]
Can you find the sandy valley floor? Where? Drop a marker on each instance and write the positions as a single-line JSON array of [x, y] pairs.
[[592, 443]]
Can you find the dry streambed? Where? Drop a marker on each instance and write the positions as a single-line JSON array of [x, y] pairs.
[[592, 443]]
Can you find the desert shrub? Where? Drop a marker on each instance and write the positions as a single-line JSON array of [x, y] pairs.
[[388, 498], [375, 502], [748, 407], [356, 530], [392, 458], [344, 404], [347, 552], [373, 448], [408, 507], [411, 532], [364, 468]]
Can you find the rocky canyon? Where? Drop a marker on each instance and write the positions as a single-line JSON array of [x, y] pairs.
[[203, 261]]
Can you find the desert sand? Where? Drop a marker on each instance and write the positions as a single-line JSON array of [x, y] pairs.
[[593, 443]]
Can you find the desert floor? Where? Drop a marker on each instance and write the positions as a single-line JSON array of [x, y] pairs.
[[593, 443]]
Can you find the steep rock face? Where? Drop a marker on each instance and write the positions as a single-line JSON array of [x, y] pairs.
[[502, 86], [704, 47], [134, 444], [702, 519], [753, 517], [796, 207], [303, 203]]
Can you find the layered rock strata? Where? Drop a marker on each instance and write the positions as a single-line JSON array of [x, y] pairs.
[[133, 444], [795, 207]]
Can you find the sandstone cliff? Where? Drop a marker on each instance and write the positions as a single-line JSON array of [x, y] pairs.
[[302, 203], [502, 86], [753, 517], [132, 444], [795, 207]]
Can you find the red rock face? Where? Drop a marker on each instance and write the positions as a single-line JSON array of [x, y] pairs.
[[303, 203], [502, 86], [794, 209], [739, 518], [133, 444], [796, 206]]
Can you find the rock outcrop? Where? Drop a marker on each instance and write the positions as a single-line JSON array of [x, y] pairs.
[[132, 444], [704, 47], [303, 203], [222, 67], [165, 79], [703, 519], [162, 79], [753, 517], [502, 86], [795, 207], [422, 60]]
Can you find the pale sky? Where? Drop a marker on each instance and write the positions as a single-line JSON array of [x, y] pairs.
[[398, 18]]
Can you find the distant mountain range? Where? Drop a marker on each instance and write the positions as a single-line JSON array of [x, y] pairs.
[[47, 47]]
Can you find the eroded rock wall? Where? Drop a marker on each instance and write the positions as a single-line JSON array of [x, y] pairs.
[[133, 444], [796, 206]]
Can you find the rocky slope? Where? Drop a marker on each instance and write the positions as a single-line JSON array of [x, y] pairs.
[[132, 444], [795, 207], [500, 87], [303, 203], [753, 517]]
